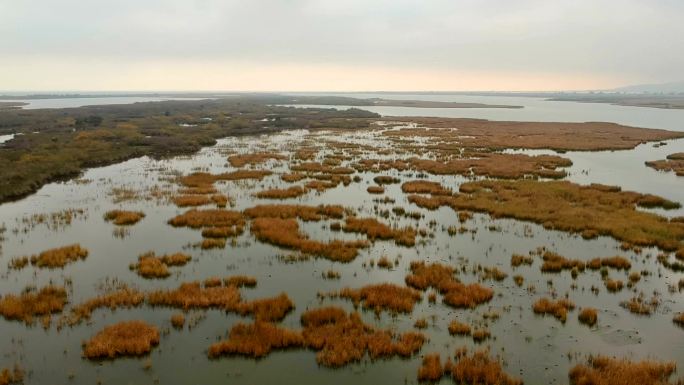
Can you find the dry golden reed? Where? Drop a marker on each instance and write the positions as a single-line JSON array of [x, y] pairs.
[[129, 338], [123, 217], [558, 309], [29, 304], [602, 370], [59, 257]]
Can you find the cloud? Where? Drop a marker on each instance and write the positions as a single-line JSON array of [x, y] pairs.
[[608, 41]]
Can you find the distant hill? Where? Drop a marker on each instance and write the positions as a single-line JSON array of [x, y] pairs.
[[667, 88]]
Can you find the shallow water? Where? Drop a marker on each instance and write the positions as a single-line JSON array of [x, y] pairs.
[[534, 109], [536, 348]]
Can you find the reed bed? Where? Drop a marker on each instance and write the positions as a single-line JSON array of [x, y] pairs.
[[386, 179], [221, 232], [18, 263], [517, 260], [305, 213], [588, 316], [53, 258], [256, 340], [431, 370], [459, 328], [285, 233], [267, 309], [567, 207], [122, 297], [374, 229], [424, 187], [342, 338], [29, 304], [440, 277], [375, 190], [123, 217], [679, 319], [384, 296], [480, 335], [602, 370], [178, 320], [288, 193], [555, 263], [479, 368], [558, 309], [254, 159], [240, 281], [13, 376], [197, 219], [151, 266], [129, 338], [641, 306], [191, 200], [293, 177]]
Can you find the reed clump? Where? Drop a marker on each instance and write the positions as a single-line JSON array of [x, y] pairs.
[[178, 320], [342, 338], [517, 260], [459, 328], [554, 263], [375, 190], [480, 335], [123, 217], [385, 296], [288, 193], [29, 304], [602, 370], [267, 309], [253, 159], [221, 232], [151, 266], [558, 309], [129, 338], [454, 293], [386, 179], [616, 262], [191, 200], [679, 319], [305, 213], [122, 297], [424, 187], [431, 370], [285, 233], [58, 257], [641, 306], [192, 295], [613, 285], [13, 376], [240, 281], [588, 316], [256, 340], [479, 368], [292, 178], [18, 263], [197, 219], [375, 229]]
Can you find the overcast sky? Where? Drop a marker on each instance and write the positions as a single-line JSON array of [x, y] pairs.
[[341, 45]]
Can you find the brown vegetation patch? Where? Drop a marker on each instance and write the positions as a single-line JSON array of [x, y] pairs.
[[305, 213], [290, 192], [191, 200], [386, 179], [197, 219], [455, 293], [496, 165], [43, 302], [424, 187], [384, 296], [588, 316], [60, 256], [341, 338], [375, 229], [315, 167], [375, 190], [565, 206], [130, 338], [178, 320], [517, 260], [151, 266], [601, 370], [14, 376], [193, 296], [479, 368], [640, 305], [431, 369], [674, 163], [285, 233], [294, 177], [255, 158], [477, 133], [679, 319], [240, 281], [458, 328], [123, 217], [554, 263], [121, 297], [256, 340], [558, 309]]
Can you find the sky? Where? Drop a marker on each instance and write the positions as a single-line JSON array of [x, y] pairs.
[[340, 45]]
